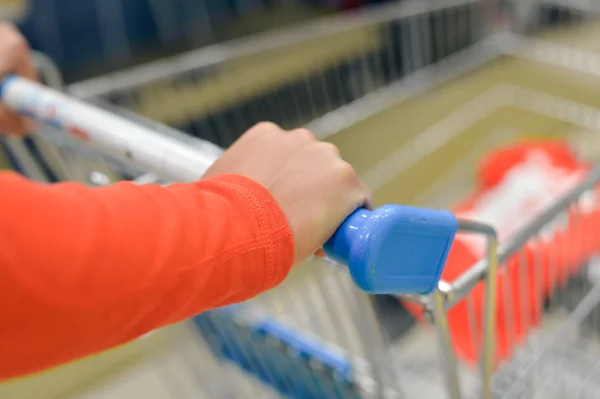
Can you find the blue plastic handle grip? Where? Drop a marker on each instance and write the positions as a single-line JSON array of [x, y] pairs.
[[394, 249]]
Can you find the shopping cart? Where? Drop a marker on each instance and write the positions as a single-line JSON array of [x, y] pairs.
[[402, 65]]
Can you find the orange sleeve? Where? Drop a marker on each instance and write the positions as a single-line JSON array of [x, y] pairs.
[[86, 269]]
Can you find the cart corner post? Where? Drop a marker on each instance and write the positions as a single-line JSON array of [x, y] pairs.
[[447, 295]]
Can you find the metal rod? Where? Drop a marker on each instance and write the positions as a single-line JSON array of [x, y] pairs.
[[403, 89], [449, 361], [575, 318], [279, 38], [489, 316]]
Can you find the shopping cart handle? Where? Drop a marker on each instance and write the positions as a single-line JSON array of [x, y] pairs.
[[112, 135], [394, 249]]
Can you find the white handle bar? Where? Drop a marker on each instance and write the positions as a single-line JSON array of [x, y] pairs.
[[110, 134]]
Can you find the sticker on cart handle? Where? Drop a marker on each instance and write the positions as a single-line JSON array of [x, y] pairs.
[[79, 133]]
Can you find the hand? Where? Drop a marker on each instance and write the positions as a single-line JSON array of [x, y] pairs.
[[314, 187], [15, 57]]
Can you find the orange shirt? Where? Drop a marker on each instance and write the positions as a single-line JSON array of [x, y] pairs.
[[86, 269]]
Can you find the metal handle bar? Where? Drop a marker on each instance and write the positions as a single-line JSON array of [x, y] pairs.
[[393, 249], [108, 133]]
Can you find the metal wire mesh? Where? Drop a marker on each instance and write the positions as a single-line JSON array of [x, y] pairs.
[[96, 37], [292, 76]]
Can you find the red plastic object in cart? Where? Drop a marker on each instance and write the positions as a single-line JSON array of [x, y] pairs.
[[515, 185]]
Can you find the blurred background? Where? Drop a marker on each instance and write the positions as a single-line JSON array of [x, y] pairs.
[[413, 93]]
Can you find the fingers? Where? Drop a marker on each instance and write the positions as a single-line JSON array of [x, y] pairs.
[[303, 135], [361, 195], [269, 132], [16, 54], [25, 66], [369, 201], [303, 143], [300, 137], [13, 124], [15, 58]]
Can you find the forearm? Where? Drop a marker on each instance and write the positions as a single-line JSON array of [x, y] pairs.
[[94, 268]]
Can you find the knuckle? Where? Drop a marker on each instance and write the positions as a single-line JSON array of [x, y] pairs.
[[17, 49], [7, 27], [347, 172], [266, 126], [329, 148], [13, 39], [303, 133], [262, 129]]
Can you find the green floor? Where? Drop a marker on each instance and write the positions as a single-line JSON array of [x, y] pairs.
[[368, 142]]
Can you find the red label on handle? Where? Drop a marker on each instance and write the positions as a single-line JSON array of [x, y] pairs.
[[75, 131]]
